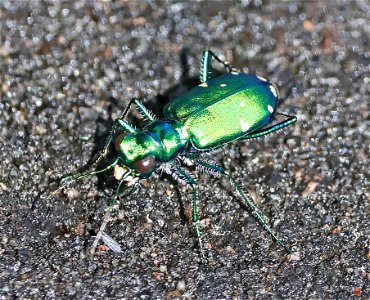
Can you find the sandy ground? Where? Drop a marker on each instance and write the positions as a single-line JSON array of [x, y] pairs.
[[69, 68]]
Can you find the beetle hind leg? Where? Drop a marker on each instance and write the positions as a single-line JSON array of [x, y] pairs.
[[267, 130], [207, 72], [209, 167]]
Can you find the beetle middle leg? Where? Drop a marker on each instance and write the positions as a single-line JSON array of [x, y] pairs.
[[196, 224], [187, 178]]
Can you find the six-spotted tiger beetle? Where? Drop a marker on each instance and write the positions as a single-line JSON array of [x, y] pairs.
[[220, 110]]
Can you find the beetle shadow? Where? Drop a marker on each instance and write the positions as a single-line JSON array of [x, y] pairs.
[[186, 83]]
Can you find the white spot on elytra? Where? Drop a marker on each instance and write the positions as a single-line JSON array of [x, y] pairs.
[[273, 90], [234, 73], [242, 104], [204, 84], [270, 108], [223, 84], [261, 78], [243, 125]]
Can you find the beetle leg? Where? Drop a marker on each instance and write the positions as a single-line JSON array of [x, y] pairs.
[[113, 245], [195, 217], [146, 113], [182, 176], [254, 211], [196, 224], [119, 122], [206, 70], [78, 176], [261, 132], [203, 166]]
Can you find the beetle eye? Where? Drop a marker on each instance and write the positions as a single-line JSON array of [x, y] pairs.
[[145, 165]]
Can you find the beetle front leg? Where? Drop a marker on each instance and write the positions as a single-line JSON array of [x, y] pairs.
[[110, 242], [77, 176], [119, 122]]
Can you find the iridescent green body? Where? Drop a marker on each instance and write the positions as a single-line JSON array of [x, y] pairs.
[[224, 109], [162, 139], [233, 106], [221, 110]]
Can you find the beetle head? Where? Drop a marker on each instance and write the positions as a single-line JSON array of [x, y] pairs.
[[138, 153]]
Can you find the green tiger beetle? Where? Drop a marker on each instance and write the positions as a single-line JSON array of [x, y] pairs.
[[221, 109]]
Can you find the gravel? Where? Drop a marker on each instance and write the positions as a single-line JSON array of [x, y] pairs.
[[69, 68]]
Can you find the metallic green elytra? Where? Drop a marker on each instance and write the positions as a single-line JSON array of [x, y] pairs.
[[221, 109], [224, 109]]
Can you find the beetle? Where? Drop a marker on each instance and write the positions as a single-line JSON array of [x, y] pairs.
[[221, 109]]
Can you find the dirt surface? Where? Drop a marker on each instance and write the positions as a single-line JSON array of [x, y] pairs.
[[67, 70]]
